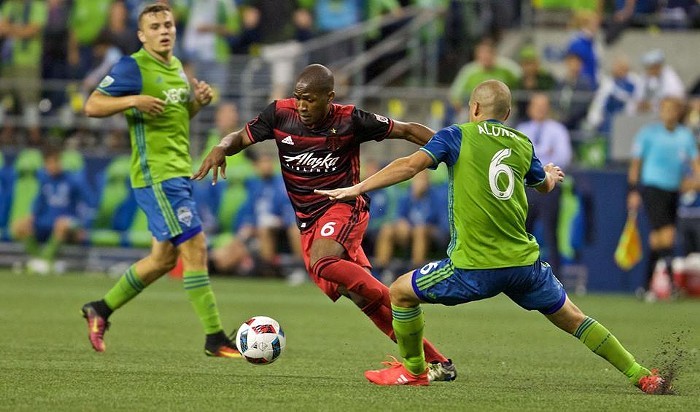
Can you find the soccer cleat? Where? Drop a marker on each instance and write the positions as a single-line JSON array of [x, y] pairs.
[[97, 326], [225, 350], [442, 371], [652, 384], [396, 374]]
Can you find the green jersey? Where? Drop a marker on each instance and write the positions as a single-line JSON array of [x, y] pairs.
[[24, 52], [489, 166], [160, 144]]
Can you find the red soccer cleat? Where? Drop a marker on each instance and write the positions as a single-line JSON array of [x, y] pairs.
[[396, 374], [97, 326], [652, 384], [226, 350]]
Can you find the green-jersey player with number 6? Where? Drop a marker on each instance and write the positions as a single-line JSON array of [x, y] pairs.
[[490, 251]]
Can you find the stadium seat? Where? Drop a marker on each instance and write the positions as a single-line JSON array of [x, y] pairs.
[[6, 183], [116, 206], [232, 198], [25, 188]]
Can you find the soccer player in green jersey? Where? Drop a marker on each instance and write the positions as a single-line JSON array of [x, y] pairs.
[[158, 99], [490, 252]]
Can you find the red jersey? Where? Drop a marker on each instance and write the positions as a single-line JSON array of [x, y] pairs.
[[325, 157]]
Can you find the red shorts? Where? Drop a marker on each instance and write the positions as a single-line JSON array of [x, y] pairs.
[[346, 225]]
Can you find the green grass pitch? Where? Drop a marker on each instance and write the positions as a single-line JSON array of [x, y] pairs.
[[508, 359]]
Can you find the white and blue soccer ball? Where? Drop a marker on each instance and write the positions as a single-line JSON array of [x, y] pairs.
[[260, 340]]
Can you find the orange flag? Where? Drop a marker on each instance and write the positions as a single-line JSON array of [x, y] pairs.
[[629, 248]]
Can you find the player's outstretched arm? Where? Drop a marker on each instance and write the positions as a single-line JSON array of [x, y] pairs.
[[413, 132], [397, 171], [216, 159], [102, 105], [554, 175]]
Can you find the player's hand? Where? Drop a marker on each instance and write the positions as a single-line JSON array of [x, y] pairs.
[[203, 92], [149, 104], [339, 194], [216, 160], [555, 171], [634, 200]]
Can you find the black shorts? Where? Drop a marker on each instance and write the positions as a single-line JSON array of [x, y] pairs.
[[661, 206]]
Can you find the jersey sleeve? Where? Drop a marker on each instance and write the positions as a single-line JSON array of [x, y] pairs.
[[370, 126], [536, 175], [123, 80], [444, 146], [263, 126]]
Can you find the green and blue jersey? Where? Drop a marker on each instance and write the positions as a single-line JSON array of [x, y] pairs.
[[488, 163], [160, 143]]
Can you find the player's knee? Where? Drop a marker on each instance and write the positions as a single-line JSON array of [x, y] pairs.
[[401, 292], [165, 262]]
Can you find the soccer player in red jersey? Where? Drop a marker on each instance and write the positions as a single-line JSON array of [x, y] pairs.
[[319, 148]]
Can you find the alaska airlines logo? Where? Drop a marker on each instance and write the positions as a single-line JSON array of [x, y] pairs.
[[307, 162], [177, 95]]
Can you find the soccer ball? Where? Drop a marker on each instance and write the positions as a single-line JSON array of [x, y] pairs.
[[260, 340]]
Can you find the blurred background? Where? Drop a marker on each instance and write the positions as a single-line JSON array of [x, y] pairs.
[[598, 68]]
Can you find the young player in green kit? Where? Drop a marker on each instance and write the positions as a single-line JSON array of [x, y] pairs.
[[156, 96], [490, 252]]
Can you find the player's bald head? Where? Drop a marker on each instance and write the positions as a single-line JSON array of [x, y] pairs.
[[317, 77], [493, 99]]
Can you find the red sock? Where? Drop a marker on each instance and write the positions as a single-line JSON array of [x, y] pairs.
[[361, 282]]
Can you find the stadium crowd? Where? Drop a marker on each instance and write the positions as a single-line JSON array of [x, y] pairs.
[[55, 52]]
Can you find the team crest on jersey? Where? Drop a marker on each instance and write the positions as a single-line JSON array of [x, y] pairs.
[[381, 118], [106, 81], [332, 143], [184, 215]]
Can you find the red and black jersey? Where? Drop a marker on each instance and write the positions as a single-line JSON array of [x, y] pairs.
[[325, 157]]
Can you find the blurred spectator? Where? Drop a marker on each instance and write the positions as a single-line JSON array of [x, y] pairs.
[[382, 212], [662, 154], [659, 80], [209, 25], [615, 95], [276, 27], [118, 31], [574, 93], [55, 51], [87, 19], [534, 78], [692, 116], [552, 144], [267, 217], [486, 65], [583, 43], [332, 15], [21, 24], [104, 55], [55, 217], [626, 13], [417, 225]]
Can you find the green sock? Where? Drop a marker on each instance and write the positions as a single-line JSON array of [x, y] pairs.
[[31, 246], [51, 248], [408, 326], [604, 344], [203, 301], [127, 287]]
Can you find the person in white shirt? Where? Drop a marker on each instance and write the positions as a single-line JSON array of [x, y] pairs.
[[659, 80], [553, 145]]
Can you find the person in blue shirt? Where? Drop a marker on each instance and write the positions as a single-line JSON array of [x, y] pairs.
[[661, 155], [267, 217], [418, 222], [56, 216]]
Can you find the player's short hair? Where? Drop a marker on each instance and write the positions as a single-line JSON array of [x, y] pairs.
[[153, 8], [319, 77], [494, 97]]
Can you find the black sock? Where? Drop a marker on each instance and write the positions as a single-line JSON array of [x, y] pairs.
[[214, 340], [101, 308], [651, 266]]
